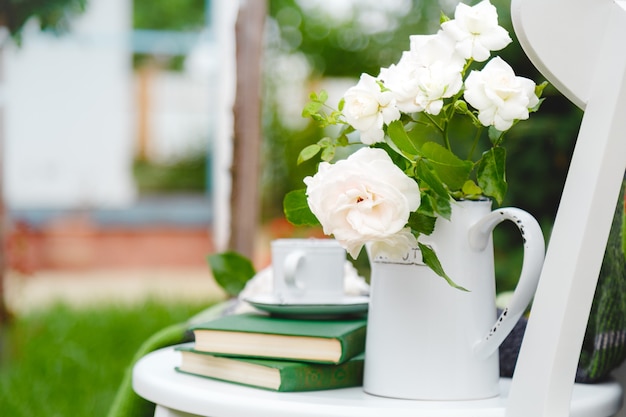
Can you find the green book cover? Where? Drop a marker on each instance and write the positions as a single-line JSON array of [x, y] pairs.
[[275, 375], [263, 336]]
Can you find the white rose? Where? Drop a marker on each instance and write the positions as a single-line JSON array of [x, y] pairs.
[[353, 283], [425, 75], [476, 31], [402, 81], [499, 96], [439, 47], [437, 82], [364, 198], [395, 246], [367, 109]]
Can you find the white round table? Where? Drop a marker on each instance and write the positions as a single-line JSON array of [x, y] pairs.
[[177, 394]]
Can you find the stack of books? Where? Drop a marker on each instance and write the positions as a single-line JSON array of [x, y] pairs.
[[280, 354]]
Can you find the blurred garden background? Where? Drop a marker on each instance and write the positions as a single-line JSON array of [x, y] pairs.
[[129, 192]]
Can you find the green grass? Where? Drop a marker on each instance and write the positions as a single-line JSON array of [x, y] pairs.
[[67, 362], [187, 174]]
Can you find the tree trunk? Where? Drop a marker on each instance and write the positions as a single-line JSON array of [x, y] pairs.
[[247, 127], [4, 312]]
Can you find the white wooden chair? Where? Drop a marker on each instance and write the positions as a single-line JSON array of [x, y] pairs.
[[579, 47]]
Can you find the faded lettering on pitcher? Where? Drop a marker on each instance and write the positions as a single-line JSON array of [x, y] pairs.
[[412, 257]]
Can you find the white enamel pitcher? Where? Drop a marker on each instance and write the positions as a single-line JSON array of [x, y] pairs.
[[429, 341]]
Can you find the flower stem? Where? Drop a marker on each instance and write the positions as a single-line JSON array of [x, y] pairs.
[[446, 139], [442, 129], [479, 132], [466, 67], [434, 122], [499, 140]]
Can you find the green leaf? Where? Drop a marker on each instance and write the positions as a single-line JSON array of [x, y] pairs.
[[443, 17], [341, 103], [452, 170], [308, 153], [427, 205], [343, 140], [422, 223], [325, 141], [443, 207], [491, 173], [432, 205], [328, 153], [398, 160], [430, 179], [297, 209], [432, 261], [311, 108], [494, 134], [399, 137], [319, 118], [470, 188], [539, 89], [231, 271], [334, 117], [420, 134]]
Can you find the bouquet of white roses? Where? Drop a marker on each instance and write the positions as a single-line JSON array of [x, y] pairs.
[[405, 172]]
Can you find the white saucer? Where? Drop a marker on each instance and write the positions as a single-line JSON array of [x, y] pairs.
[[347, 306]]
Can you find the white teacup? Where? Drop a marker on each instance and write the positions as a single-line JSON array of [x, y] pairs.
[[308, 270]]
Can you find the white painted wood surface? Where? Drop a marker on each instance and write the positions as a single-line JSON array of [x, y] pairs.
[[182, 395]]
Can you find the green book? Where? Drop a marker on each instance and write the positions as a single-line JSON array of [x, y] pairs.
[[262, 336], [272, 374]]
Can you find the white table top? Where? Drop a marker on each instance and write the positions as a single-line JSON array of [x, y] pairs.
[[155, 379]]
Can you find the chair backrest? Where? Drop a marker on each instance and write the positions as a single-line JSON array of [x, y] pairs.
[[578, 45]]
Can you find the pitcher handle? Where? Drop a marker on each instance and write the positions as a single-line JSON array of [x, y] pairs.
[[534, 253]]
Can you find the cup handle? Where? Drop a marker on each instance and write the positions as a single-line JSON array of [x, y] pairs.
[[534, 253], [291, 265]]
